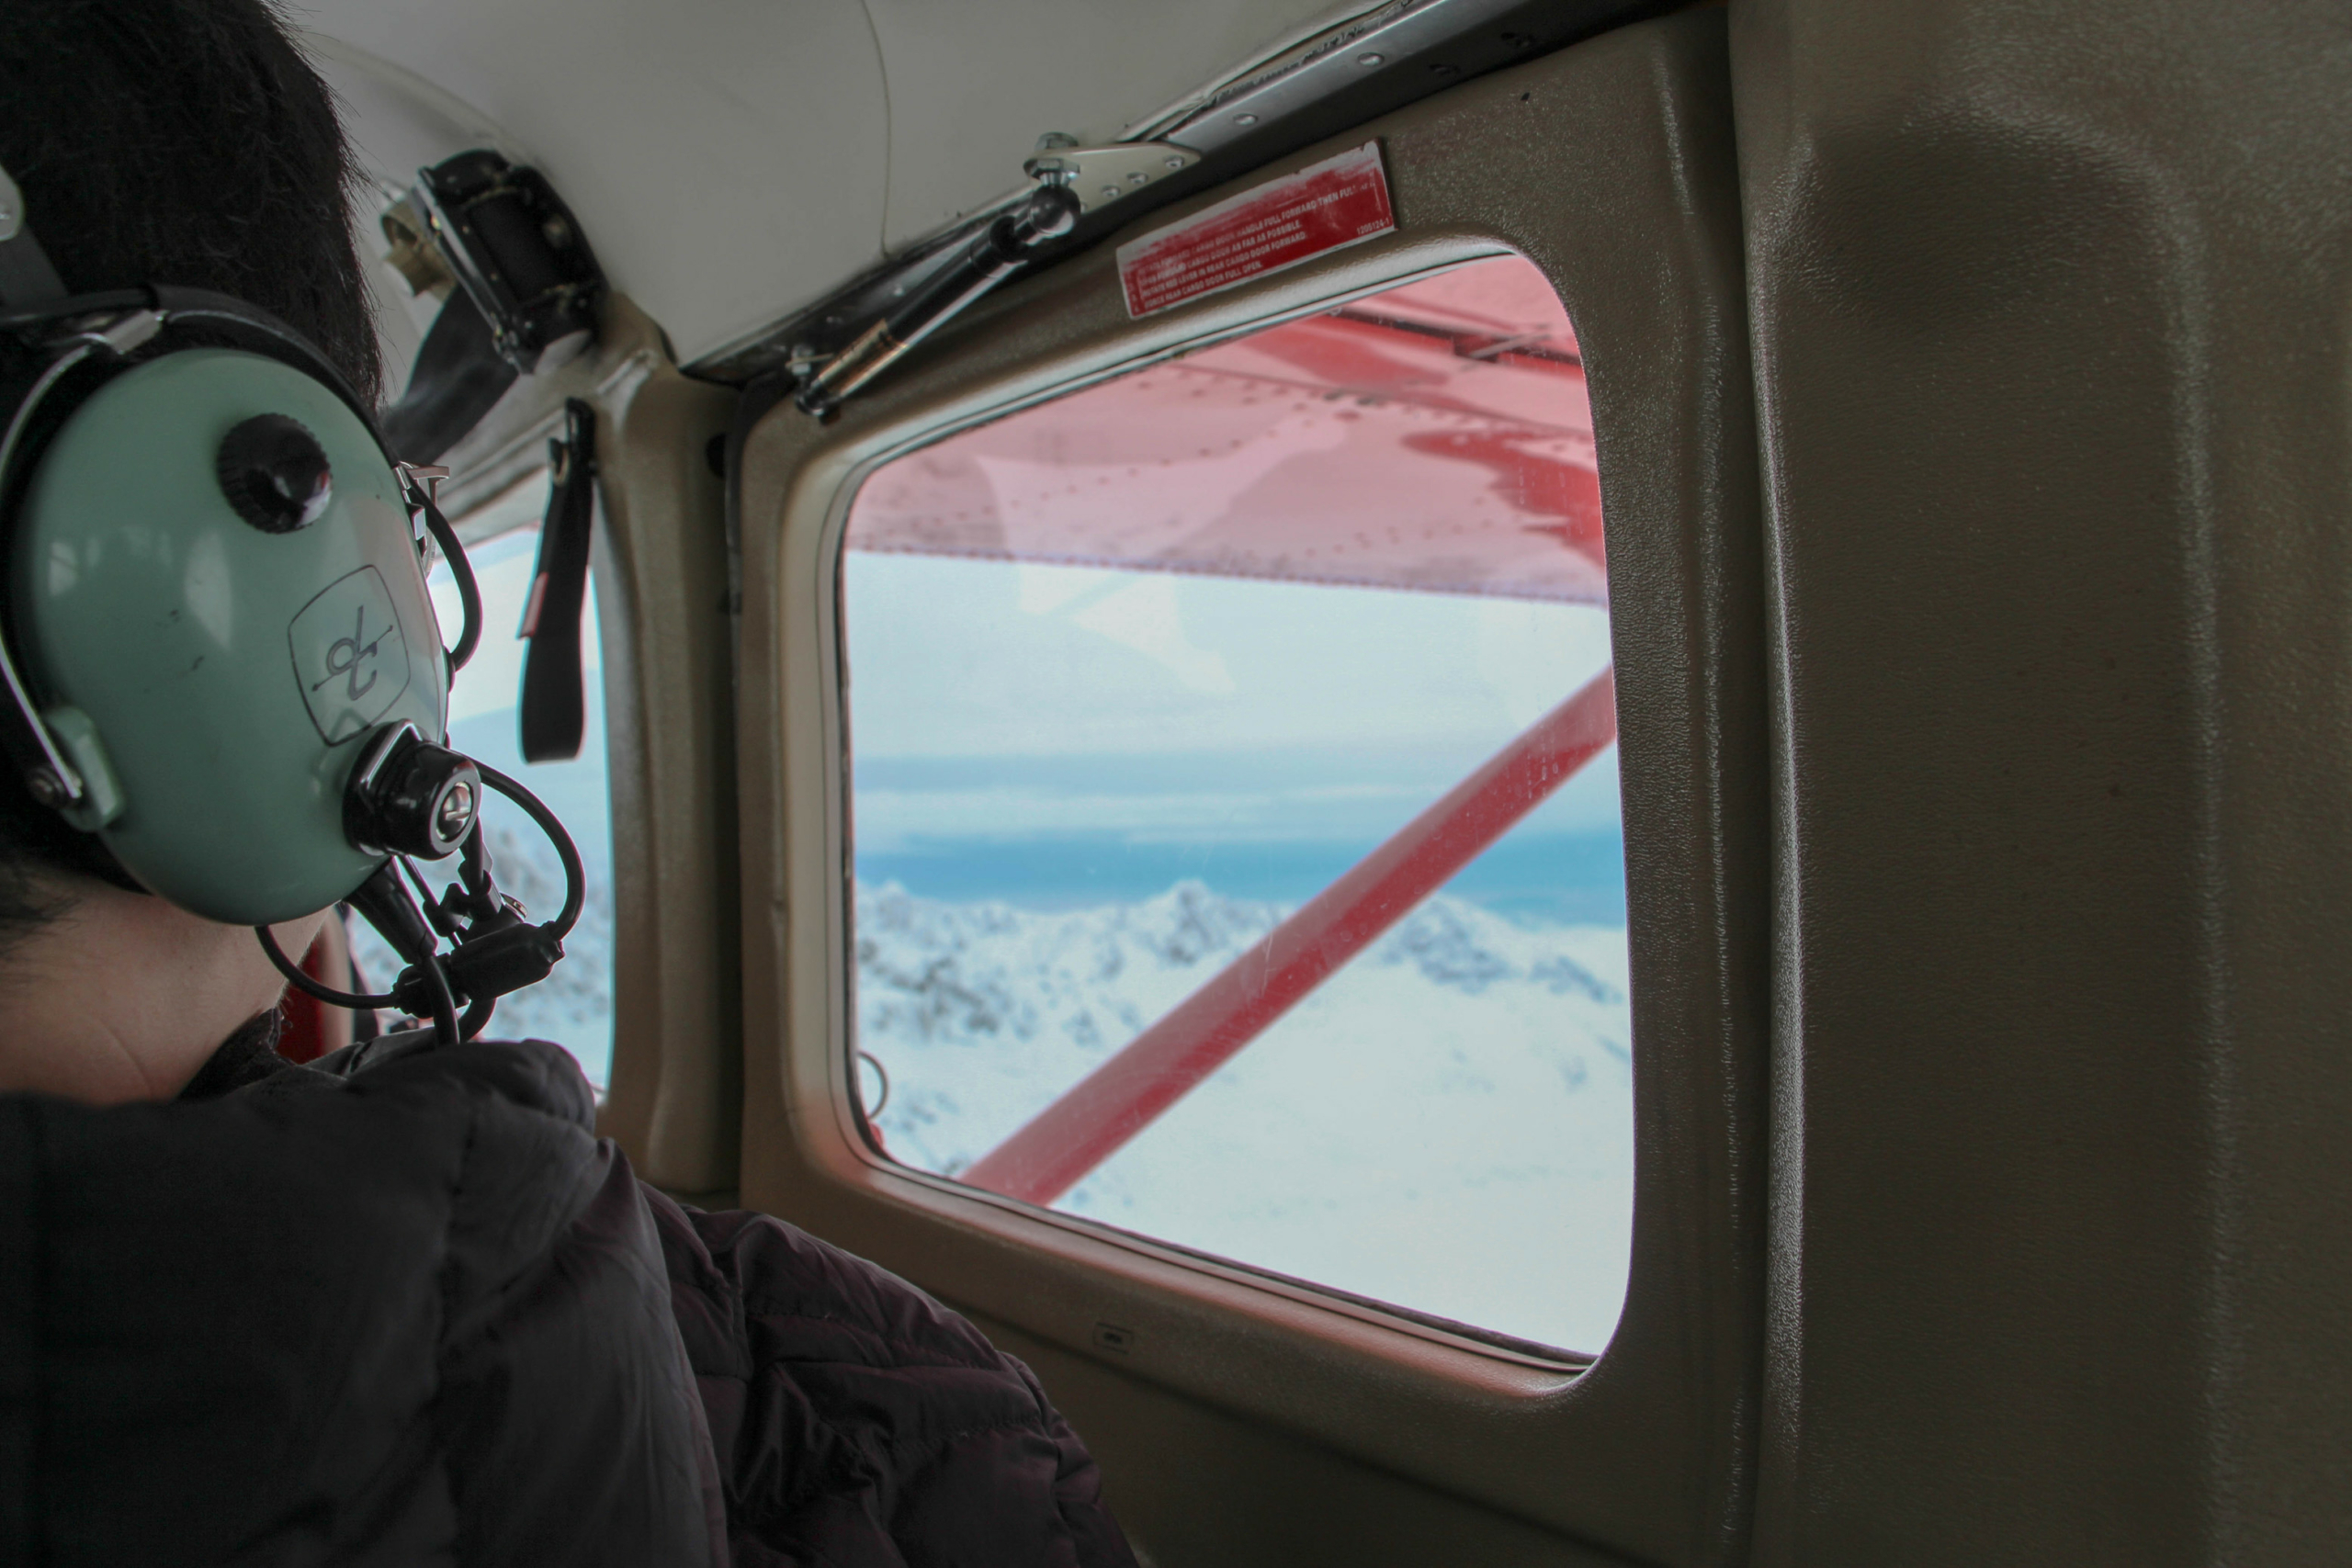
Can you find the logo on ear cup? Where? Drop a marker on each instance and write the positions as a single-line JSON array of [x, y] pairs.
[[350, 655]]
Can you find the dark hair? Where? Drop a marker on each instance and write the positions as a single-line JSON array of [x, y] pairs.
[[178, 142]]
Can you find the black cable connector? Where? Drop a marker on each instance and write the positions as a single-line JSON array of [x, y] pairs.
[[494, 950]]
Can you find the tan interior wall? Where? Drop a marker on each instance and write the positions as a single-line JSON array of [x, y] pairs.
[[1193, 1484], [661, 566], [1610, 165], [2051, 315], [660, 559], [2051, 338]]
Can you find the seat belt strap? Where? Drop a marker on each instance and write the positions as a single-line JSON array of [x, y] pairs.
[[457, 379]]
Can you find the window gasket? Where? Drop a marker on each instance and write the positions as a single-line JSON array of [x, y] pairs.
[[876, 1171]]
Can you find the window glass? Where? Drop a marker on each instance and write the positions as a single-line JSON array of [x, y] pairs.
[[1235, 840], [573, 1007]]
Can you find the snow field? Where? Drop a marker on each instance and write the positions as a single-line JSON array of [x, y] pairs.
[[1446, 1124]]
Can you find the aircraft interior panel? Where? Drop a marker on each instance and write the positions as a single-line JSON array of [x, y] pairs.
[[1628, 130], [1549, 782], [2058, 643]]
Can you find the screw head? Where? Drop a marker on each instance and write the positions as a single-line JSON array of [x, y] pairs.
[[1245, 120], [1369, 58], [46, 786], [455, 812]]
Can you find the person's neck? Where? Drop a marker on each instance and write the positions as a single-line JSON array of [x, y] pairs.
[[124, 997]]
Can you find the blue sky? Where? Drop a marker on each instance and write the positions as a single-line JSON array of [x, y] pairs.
[[1183, 720], [994, 703]]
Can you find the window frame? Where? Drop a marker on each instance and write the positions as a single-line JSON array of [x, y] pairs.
[[1648, 1448], [1363, 280]]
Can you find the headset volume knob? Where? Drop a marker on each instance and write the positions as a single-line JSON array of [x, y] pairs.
[[275, 473], [453, 813]]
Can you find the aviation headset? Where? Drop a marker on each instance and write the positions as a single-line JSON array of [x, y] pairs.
[[218, 652]]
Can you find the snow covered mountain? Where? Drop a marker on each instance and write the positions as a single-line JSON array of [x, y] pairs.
[[1446, 1124]]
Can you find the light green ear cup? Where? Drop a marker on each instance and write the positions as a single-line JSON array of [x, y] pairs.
[[214, 681]]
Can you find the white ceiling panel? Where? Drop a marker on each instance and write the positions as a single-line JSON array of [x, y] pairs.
[[733, 159], [973, 86], [727, 158]]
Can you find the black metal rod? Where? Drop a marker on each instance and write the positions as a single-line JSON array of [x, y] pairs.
[[1002, 247]]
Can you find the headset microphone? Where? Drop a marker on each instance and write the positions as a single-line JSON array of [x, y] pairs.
[[219, 654]]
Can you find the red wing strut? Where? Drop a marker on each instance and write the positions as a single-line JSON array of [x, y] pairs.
[[1118, 1099]]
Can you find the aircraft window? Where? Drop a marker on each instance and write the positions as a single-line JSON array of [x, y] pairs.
[[573, 1007], [1236, 850]]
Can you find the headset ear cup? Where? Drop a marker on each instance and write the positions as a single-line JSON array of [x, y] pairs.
[[234, 614]]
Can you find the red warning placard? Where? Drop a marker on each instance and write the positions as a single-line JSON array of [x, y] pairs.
[[1337, 202]]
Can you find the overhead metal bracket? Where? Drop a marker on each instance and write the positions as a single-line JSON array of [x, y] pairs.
[[1100, 175], [1376, 61], [1050, 212], [1429, 44]]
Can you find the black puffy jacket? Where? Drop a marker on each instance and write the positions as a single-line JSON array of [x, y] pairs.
[[406, 1308]]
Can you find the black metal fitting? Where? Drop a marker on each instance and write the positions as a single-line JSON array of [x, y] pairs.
[[1050, 212], [517, 252], [407, 796]]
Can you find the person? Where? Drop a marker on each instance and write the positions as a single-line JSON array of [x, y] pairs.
[[401, 1306]]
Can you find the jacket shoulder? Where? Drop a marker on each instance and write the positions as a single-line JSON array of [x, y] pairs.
[[417, 1314], [855, 1417]]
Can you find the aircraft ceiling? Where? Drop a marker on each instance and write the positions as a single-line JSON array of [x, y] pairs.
[[732, 160]]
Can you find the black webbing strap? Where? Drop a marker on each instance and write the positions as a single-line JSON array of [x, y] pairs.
[[554, 708], [458, 376]]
